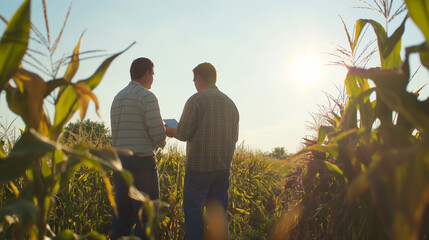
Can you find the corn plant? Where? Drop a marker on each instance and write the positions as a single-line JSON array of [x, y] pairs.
[[37, 158], [256, 195], [256, 198], [366, 174], [171, 178]]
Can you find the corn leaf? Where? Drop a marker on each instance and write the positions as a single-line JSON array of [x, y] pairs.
[[29, 148], [13, 43], [68, 101], [360, 24], [17, 102], [35, 89], [84, 95], [388, 47], [20, 212], [423, 50], [74, 62], [95, 79], [419, 12]]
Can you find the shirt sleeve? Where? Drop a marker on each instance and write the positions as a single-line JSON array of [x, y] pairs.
[[153, 121], [235, 133], [188, 121]]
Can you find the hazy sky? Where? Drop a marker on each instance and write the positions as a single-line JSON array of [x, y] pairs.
[[254, 46]]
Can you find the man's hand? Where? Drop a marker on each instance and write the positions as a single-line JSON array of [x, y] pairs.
[[170, 132]]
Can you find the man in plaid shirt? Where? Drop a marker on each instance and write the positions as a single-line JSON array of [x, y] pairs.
[[209, 125]]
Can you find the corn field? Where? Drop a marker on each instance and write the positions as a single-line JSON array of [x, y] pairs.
[[365, 174]]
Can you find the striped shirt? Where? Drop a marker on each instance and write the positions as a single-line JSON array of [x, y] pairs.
[[209, 124], [136, 120]]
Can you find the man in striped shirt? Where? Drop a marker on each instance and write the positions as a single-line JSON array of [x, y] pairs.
[[209, 125], [136, 125]]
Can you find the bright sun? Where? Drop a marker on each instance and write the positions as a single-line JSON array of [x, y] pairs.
[[306, 69]]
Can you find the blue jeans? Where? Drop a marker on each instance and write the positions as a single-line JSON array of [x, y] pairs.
[[201, 189], [145, 175]]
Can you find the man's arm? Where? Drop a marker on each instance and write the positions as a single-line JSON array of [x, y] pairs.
[[188, 122], [171, 132]]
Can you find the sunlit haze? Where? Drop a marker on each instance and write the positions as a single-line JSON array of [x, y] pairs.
[[306, 69], [272, 57]]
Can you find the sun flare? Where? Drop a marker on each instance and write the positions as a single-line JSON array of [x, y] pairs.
[[306, 69]]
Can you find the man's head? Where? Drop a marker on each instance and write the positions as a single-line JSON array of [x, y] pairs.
[[141, 71], [204, 76]]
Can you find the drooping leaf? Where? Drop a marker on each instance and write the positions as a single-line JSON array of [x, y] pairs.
[[333, 168], [392, 42], [30, 148], [84, 95], [35, 89], [388, 47], [68, 101], [104, 159], [419, 12], [323, 132], [17, 102], [360, 24], [13, 43], [423, 50], [53, 84], [95, 79]]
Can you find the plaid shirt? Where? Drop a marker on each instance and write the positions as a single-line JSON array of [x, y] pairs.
[[209, 124], [136, 120]]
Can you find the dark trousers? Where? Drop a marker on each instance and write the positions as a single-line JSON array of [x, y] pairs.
[[145, 175], [208, 189]]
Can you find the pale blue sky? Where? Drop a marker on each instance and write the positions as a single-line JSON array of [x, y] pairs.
[[252, 44]]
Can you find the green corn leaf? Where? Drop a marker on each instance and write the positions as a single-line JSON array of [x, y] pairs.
[[349, 119], [74, 62], [392, 42], [17, 102], [72, 68], [424, 58], [333, 168], [323, 132], [64, 110], [351, 85], [360, 24], [388, 47], [30, 148], [95, 79], [13, 43], [423, 50], [53, 84], [35, 89], [67, 103], [104, 159], [419, 12]]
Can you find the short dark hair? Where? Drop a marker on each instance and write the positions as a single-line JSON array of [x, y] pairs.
[[207, 72], [139, 67]]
